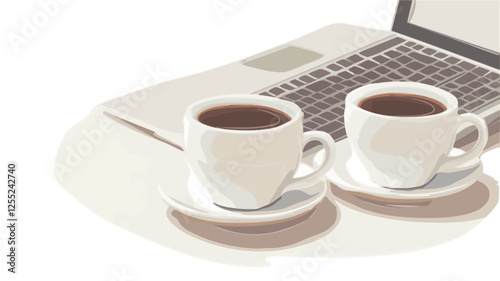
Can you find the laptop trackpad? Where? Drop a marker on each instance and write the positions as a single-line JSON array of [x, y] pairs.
[[283, 59]]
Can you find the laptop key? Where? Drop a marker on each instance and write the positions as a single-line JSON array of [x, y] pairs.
[[404, 59], [394, 76], [381, 47], [319, 73], [428, 51], [312, 110], [418, 47], [338, 111], [469, 97], [437, 77], [319, 85], [304, 92], [382, 79], [306, 79], [334, 79], [308, 100], [422, 58], [297, 82], [480, 71], [382, 70], [341, 96], [403, 49], [415, 65], [429, 81], [392, 64], [451, 60], [405, 71], [331, 100], [368, 64], [429, 69], [339, 134], [276, 91], [481, 92], [441, 64], [474, 104], [345, 75], [356, 70], [440, 55], [344, 63], [338, 87], [466, 78], [287, 87], [328, 115], [483, 80], [300, 104], [310, 125], [318, 120], [447, 72], [475, 84], [371, 75], [392, 54], [361, 79], [380, 59], [321, 105], [491, 96], [465, 89], [355, 58], [334, 67], [328, 91], [331, 127], [465, 65], [318, 96], [348, 83], [493, 76]]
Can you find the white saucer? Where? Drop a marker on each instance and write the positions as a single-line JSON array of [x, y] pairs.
[[192, 201], [349, 174]]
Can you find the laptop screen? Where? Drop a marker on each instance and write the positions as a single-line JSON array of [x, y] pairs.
[[470, 28], [474, 22]]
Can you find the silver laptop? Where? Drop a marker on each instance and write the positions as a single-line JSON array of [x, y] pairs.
[[453, 45]]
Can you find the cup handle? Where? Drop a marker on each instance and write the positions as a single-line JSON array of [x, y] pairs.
[[329, 145], [452, 163]]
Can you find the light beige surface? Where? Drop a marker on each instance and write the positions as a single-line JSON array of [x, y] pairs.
[[119, 180], [119, 170]]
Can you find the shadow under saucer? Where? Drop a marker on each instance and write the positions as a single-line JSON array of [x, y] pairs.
[[274, 235], [475, 202]]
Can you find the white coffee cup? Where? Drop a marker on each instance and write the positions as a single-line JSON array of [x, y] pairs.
[[249, 169], [407, 151]]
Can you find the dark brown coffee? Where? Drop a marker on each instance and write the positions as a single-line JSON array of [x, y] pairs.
[[243, 117], [396, 104]]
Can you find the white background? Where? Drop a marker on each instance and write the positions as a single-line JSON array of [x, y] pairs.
[[91, 51]]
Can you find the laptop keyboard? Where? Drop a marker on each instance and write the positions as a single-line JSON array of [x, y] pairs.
[[321, 92]]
